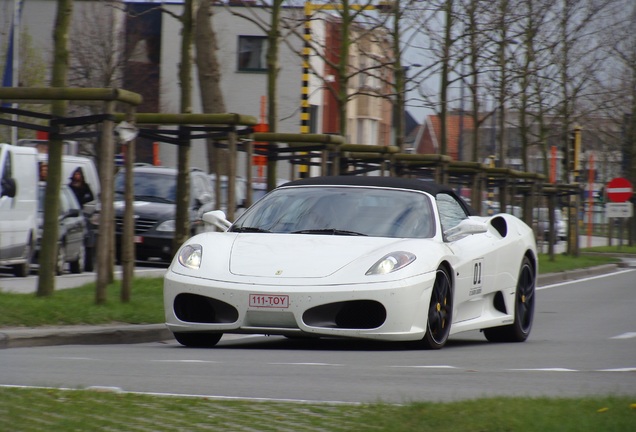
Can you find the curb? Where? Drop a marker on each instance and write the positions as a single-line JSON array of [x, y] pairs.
[[83, 335], [570, 275]]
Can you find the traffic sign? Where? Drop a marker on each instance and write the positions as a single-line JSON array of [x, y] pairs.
[[619, 190], [619, 210]]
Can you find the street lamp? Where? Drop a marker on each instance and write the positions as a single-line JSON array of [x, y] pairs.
[[502, 99]]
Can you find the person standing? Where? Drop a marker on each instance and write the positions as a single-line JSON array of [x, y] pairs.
[[79, 186]]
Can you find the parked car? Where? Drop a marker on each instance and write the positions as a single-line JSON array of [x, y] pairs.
[[70, 163], [541, 216], [240, 193], [378, 258], [155, 208], [18, 207], [72, 231]]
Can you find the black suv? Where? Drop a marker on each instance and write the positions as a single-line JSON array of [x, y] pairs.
[[155, 208]]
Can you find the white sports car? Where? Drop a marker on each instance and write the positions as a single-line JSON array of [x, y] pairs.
[[357, 257]]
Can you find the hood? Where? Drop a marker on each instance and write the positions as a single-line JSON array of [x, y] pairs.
[[148, 210], [301, 256]]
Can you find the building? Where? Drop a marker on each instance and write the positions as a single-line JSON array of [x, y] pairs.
[[151, 42]]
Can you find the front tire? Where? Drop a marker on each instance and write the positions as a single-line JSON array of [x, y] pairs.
[[89, 259], [60, 259], [440, 312], [198, 340], [24, 269], [519, 330]]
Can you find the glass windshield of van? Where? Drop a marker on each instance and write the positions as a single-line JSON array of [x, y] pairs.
[[151, 187]]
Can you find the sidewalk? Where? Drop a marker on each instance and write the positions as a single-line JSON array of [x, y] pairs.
[[131, 333]]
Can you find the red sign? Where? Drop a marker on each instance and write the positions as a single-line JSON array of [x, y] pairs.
[[619, 190]]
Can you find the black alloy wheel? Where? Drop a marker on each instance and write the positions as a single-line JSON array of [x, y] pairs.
[[519, 330], [440, 312]]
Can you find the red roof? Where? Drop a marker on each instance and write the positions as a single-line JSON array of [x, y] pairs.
[[430, 139]]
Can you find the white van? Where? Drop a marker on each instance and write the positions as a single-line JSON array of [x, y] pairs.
[[71, 163], [18, 207]]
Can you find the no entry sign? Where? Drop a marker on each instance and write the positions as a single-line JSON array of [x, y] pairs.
[[619, 190]]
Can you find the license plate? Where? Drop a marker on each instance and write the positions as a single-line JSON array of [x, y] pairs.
[[138, 239], [269, 301]]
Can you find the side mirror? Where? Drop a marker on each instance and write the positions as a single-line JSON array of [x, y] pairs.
[[464, 228], [217, 218], [8, 187]]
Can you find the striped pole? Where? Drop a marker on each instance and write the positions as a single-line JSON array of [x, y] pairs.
[[304, 100], [304, 95]]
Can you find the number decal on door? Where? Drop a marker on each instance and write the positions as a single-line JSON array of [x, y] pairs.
[[477, 277]]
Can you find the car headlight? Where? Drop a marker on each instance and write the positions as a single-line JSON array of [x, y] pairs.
[[166, 226], [190, 256], [391, 262], [94, 218]]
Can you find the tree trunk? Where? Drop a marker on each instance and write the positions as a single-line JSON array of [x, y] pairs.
[[209, 74], [182, 220], [48, 251]]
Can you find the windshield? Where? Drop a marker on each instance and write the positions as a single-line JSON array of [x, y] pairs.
[[341, 211], [149, 186]]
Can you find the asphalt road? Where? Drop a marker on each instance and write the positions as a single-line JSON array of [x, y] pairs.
[[583, 343]]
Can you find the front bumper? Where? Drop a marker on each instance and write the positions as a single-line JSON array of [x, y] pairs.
[[395, 310]]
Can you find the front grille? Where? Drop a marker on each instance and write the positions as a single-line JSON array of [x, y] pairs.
[[142, 225], [353, 314], [196, 308]]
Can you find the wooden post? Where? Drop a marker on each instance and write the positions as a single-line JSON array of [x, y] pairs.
[[106, 241], [128, 234]]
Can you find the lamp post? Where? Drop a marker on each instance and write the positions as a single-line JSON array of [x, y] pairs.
[[502, 99]]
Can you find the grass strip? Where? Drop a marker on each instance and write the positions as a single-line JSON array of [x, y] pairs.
[[563, 262], [77, 306], [77, 410]]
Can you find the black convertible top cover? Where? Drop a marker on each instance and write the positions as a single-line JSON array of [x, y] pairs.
[[390, 182]]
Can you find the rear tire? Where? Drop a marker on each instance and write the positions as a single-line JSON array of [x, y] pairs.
[[519, 330], [198, 340]]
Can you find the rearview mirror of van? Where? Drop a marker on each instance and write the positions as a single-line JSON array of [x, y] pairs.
[[8, 187]]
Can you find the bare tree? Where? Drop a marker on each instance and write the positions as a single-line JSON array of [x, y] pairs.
[[209, 74], [272, 24], [32, 73], [347, 25], [97, 55], [182, 220]]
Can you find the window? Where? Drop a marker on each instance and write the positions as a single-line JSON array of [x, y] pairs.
[[323, 209], [450, 211], [252, 53], [369, 69], [367, 131]]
